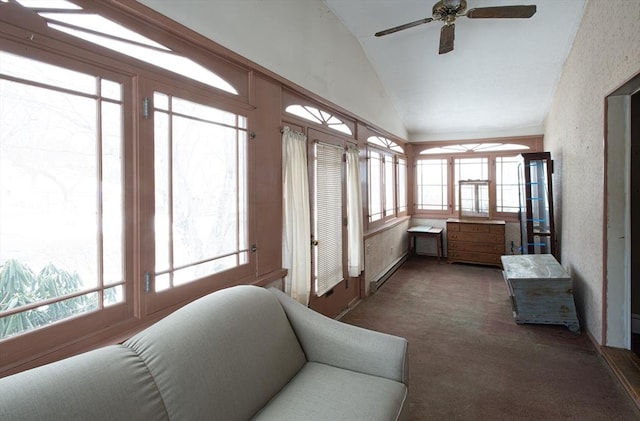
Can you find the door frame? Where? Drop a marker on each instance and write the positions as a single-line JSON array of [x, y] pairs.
[[347, 292], [616, 303]]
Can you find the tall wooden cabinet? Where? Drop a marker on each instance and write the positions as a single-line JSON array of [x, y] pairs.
[[475, 241]]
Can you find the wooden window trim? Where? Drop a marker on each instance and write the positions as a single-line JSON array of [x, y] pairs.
[[20, 32], [534, 143]]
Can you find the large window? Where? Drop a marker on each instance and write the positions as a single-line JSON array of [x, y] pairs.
[[200, 191], [468, 169], [432, 185], [124, 178], [439, 168], [61, 193], [387, 178]]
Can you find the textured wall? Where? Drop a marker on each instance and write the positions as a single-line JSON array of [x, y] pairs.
[[301, 41], [383, 250], [605, 53]]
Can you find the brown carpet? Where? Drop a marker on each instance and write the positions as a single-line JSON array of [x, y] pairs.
[[470, 361]]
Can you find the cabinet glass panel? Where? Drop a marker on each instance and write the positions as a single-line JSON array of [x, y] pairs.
[[536, 216]]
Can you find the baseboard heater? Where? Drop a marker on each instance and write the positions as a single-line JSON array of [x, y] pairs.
[[375, 285]]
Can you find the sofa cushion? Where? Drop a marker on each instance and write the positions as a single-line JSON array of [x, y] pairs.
[[223, 356], [323, 392], [107, 384]]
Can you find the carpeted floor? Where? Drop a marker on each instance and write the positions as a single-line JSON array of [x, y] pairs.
[[470, 361]]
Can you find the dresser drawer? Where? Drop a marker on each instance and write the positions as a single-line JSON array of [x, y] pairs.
[[453, 226], [483, 247], [474, 257], [476, 237], [475, 228], [497, 229]]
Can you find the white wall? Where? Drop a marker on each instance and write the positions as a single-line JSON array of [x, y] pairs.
[[605, 53], [300, 40]]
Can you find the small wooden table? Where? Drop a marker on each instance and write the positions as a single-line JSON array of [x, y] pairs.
[[425, 231], [540, 290]]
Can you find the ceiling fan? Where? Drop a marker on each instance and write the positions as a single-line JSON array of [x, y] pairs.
[[448, 10]]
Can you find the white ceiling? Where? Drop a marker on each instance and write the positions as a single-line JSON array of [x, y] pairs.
[[499, 80]]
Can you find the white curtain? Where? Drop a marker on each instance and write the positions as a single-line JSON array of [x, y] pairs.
[[296, 254], [355, 258]]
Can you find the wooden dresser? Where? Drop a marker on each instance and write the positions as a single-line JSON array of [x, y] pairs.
[[475, 241]]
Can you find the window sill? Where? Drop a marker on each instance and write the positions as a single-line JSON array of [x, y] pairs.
[[387, 225], [506, 218]]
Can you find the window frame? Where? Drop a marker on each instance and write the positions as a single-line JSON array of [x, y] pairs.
[[155, 301], [532, 144], [69, 329], [388, 162], [323, 123], [17, 30]]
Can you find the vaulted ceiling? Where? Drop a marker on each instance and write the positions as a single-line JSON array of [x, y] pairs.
[[499, 79]]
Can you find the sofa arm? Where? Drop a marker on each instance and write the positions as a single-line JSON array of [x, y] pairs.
[[331, 342]]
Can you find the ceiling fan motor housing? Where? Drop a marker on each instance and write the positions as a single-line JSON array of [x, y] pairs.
[[447, 10]]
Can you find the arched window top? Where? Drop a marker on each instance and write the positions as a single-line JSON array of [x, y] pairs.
[[320, 117], [385, 143], [70, 18], [474, 147]]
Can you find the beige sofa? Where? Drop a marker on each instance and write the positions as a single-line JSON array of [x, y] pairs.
[[238, 354]]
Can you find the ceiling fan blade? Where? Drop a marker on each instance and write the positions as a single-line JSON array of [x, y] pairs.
[[447, 35], [402, 27], [502, 12]]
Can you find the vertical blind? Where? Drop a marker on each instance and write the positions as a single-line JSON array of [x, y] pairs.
[[328, 209]]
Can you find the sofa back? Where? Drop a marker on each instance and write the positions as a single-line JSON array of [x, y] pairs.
[[223, 356], [107, 384]]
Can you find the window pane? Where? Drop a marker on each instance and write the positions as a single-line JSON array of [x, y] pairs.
[[205, 190], [61, 195], [167, 60], [162, 219], [44, 315], [320, 117], [195, 110], [402, 185], [111, 90], [112, 194], [431, 184], [389, 204], [49, 74], [113, 295], [201, 191], [469, 169], [507, 199], [48, 177], [375, 186]]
